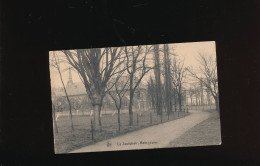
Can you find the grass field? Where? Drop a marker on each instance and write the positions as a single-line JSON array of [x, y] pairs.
[[66, 140], [205, 133]]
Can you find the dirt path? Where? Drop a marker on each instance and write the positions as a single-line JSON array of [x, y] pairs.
[[205, 133], [158, 136]]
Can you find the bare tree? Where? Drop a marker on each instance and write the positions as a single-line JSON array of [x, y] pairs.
[[137, 68], [207, 75], [54, 118], [53, 96], [151, 93], [191, 93], [55, 62], [158, 84], [201, 94], [197, 95], [178, 76], [117, 92], [95, 67], [208, 98], [167, 81]]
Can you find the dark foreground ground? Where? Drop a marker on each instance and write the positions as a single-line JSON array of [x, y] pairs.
[[65, 140], [205, 133]]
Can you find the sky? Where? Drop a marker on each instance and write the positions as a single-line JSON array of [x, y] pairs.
[[187, 51]]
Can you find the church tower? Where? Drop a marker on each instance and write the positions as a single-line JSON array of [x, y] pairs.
[[70, 82]]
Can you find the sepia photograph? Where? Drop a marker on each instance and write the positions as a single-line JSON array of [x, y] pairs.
[[133, 82], [135, 97]]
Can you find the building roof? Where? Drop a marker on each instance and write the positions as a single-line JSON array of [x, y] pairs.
[[76, 88]]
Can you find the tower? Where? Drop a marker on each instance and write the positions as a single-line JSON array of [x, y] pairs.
[[70, 82]]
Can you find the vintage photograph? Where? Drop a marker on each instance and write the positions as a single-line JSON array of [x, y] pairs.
[[135, 97]]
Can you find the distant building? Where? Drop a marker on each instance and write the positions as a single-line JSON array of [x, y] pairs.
[[77, 91]]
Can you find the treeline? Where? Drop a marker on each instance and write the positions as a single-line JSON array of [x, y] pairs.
[[115, 71], [165, 90]]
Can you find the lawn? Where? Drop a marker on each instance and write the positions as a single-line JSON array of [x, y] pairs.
[[66, 140], [205, 133]]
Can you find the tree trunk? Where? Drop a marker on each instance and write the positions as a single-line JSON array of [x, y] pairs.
[[131, 108], [118, 119], [72, 126], [167, 81], [96, 125], [179, 97], [99, 116], [217, 103], [175, 101], [54, 119], [99, 112], [157, 80]]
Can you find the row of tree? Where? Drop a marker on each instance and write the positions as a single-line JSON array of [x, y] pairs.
[[166, 89], [198, 96], [116, 70], [100, 71], [206, 74]]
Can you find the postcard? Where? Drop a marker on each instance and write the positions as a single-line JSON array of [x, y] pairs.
[[135, 97]]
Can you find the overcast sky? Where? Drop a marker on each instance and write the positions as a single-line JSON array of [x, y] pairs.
[[186, 51]]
